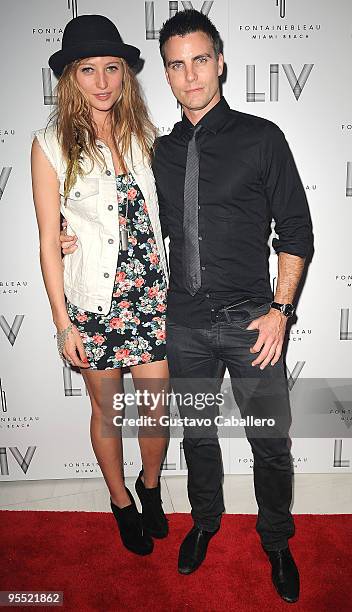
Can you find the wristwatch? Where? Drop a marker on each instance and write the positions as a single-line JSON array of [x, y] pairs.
[[286, 309]]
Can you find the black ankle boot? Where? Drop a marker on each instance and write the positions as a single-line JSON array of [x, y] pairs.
[[131, 529], [154, 520]]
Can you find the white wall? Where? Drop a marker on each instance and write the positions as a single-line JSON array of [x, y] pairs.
[[44, 416]]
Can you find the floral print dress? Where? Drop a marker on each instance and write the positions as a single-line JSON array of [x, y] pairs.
[[133, 332]]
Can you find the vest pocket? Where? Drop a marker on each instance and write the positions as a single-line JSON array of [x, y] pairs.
[[83, 197]]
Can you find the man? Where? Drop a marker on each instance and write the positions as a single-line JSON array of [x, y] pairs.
[[222, 176]]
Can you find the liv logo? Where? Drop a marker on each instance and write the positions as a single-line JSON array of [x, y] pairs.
[[49, 97], [11, 333], [72, 5], [344, 333], [150, 32], [183, 464], [297, 83], [348, 180], [4, 177], [282, 7], [23, 462], [69, 390], [3, 398], [338, 461], [292, 376], [167, 465]]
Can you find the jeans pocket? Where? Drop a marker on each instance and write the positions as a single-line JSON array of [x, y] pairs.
[[249, 315]]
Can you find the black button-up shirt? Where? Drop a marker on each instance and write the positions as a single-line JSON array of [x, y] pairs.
[[247, 177]]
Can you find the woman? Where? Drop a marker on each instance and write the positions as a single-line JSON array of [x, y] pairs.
[[92, 163]]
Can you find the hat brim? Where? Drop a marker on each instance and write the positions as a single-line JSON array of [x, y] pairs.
[[60, 59]]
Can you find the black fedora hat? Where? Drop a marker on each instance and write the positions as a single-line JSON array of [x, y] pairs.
[[91, 36]]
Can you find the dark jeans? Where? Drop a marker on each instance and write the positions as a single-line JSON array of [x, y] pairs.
[[204, 354]]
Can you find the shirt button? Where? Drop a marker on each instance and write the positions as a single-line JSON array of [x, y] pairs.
[[198, 207], [77, 194], [110, 207], [207, 295], [100, 308], [108, 172], [106, 275], [200, 238], [203, 267], [110, 241]]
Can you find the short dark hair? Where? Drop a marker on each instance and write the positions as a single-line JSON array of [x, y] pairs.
[[187, 22]]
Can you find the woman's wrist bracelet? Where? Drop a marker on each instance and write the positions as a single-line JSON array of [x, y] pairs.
[[61, 338]]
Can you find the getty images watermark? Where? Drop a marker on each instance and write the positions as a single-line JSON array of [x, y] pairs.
[[237, 407], [147, 400]]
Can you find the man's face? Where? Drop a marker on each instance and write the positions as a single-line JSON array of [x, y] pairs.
[[193, 70]]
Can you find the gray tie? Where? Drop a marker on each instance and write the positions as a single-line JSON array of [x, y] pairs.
[[191, 258]]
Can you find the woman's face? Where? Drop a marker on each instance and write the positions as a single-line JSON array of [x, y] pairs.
[[100, 78]]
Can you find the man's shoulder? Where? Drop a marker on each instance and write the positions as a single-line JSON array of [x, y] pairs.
[[165, 138], [259, 125], [162, 143], [251, 124]]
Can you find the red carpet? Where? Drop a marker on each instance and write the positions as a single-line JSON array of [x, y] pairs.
[[80, 554]]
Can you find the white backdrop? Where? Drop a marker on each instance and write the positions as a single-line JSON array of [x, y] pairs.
[[288, 61]]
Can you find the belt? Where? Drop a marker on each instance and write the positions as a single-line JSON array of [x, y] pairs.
[[234, 311]]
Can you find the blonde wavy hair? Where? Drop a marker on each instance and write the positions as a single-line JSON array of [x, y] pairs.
[[75, 127]]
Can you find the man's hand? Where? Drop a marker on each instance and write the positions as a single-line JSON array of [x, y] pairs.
[[272, 327], [68, 243]]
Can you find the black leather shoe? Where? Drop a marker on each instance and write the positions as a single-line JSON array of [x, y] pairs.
[[284, 574], [154, 520], [194, 549], [129, 522]]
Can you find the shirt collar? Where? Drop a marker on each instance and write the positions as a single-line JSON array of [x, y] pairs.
[[213, 121]]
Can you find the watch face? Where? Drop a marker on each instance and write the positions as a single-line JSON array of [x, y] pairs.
[[288, 310]]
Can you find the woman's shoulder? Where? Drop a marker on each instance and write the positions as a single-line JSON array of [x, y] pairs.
[[151, 137], [137, 149], [48, 141], [47, 134]]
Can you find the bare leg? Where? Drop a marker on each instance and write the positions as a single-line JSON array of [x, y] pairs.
[[107, 446], [153, 377]]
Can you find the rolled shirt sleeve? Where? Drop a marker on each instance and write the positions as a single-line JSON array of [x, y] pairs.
[[286, 196]]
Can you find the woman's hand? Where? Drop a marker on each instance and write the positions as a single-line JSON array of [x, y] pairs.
[[68, 243], [73, 344]]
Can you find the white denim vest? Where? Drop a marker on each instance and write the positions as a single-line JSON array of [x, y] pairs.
[[91, 211]]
